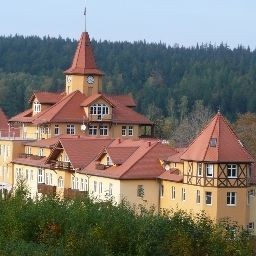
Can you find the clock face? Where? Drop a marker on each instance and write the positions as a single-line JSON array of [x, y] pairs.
[[90, 79], [68, 79]]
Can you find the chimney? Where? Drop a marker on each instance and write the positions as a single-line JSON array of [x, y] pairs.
[[119, 141], [149, 143], [78, 136]]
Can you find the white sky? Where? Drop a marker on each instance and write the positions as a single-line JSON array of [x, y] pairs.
[[185, 22]]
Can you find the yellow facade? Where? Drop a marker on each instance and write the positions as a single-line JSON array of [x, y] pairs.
[[79, 82]]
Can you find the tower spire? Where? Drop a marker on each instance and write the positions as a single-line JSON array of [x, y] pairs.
[[85, 18]]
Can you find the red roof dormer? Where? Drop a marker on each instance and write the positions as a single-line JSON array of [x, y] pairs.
[[84, 62]]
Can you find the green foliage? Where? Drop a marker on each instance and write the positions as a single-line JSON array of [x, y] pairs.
[[51, 226]]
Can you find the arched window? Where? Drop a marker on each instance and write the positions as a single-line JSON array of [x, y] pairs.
[[60, 182]]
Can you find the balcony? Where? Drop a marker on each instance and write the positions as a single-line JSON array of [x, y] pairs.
[[100, 166], [60, 165], [32, 157], [46, 189], [73, 193], [95, 118]]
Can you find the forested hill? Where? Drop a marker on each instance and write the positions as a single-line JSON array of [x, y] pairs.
[[166, 81]]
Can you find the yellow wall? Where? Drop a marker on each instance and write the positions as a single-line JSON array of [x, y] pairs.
[[79, 82]]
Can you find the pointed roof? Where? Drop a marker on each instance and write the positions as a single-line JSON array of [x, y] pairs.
[[217, 143], [46, 97], [84, 62]]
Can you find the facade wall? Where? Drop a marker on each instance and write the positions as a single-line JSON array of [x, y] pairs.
[[252, 207], [129, 192], [79, 82]]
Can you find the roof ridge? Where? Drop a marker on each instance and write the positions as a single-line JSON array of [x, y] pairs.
[[216, 121], [70, 96]]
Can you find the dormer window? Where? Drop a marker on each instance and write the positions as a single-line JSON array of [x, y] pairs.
[[99, 109], [37, 107], [213, 142], [109, 161]]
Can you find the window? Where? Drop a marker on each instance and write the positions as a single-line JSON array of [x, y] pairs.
[[123, 130], [109, 161], [93, 130], [28, 150], [56, 129], [213, 142], [251, 225], [231, 198], [50, 180], [100, 187], [31, 175], [183, 194], [140, 191], [110, 189], [40, 176], [173, 194], [99, 109], [27, 174], [209, 170], [199, 169], [82, 185], [47, 178], [161, 190], [77, 183], [208, 198], [103, 130], [70, 129], [37, 107], [95, 186], [130, 131], [232, 170], [73, 183], [86, 184], [60, 182], [65, 158], [41, 152], [198, 199]]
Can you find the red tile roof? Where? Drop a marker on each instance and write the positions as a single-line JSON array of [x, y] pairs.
[[119, 155], [143, 163], [84, 62], [32, 161], [66, 110], [91, 99], [172, 175], [44, 143], [125, 100], [46, 97], [176, 158], [80, 150], [228, 147]]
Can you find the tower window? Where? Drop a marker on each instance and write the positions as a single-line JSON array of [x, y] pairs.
[[209, 170], [99, 109], [232, 170], [213, 142], [208, 198], [231, 198]]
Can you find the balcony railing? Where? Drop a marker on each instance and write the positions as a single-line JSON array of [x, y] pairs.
[[33, 157], [73, 193], [46, 189], [100, 166], [60, 165]]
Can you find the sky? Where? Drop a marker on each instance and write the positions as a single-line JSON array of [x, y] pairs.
[[183, 22]]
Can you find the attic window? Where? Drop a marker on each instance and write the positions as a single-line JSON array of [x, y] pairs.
[[37, 107], [213, 142]]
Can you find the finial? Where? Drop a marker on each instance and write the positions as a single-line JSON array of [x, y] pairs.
[[219, 110], [85, 17]]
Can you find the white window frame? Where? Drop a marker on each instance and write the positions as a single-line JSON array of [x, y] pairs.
[[71, 129], [77, 183], [209, 170], [183, 194], [231, 198], [95, 186], [103, 130], [73, 182], [56, 129], [86, 184], [124, 130], [99, 109], [232, 171], [82, 185], [200, 169], [208, 195], [173, 193], [40, 176], [130, 130], [100, 188], [60, 182], [251, 225], [198, 196], [37, 107], [93, 129], [41, 152], [110, 189], [31, 175]]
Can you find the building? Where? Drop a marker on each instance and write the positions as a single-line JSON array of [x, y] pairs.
[[83, 109], [211, 175]]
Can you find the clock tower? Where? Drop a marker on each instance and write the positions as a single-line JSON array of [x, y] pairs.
[[83, 75]]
